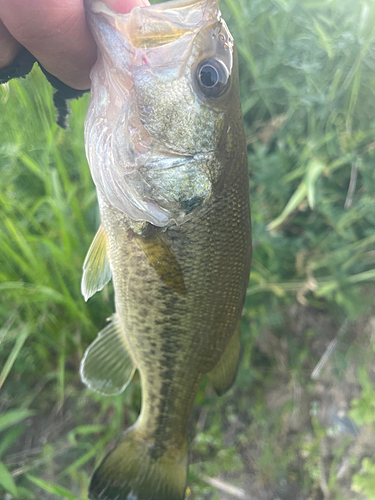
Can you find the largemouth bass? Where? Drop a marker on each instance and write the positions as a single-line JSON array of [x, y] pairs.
[[166, 148]]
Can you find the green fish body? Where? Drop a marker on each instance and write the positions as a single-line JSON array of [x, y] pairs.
[[166, 147]]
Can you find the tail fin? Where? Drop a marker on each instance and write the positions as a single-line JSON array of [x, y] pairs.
[[137, 470]]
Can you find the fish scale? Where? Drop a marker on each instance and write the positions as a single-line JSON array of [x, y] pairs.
[[170, 168], [214, 255]]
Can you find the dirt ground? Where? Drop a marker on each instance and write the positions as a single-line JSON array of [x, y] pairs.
[[317, 446]]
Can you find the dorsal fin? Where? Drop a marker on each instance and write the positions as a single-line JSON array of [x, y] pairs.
[[162, 258], [107, 366], [224, 373], [96, 270]]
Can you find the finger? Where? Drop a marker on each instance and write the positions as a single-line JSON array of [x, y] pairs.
[[55, 32], [125, 6], [9, 47]]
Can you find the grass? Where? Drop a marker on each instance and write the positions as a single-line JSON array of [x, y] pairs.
[[307, 87]]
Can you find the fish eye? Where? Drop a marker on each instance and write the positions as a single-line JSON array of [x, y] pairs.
[[212, 78]]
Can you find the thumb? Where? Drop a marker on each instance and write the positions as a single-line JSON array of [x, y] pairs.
[[56, 33]]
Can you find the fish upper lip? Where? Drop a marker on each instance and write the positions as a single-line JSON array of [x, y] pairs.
[[155, 25]]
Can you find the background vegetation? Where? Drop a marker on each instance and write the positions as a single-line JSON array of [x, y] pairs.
[[291, 428]]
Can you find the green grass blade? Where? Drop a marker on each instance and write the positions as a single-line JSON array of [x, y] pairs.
[[10, 437], [21, 338], [6, 480], [13, 417], [54, 489]]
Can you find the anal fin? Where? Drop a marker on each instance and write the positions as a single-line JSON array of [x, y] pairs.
[[224, 374], [107, 366], [96, 270]]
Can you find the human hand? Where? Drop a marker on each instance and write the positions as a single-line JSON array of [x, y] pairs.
[[56, 33]]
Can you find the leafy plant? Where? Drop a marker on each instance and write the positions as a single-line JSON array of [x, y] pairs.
[[363, 408], [364, 482]]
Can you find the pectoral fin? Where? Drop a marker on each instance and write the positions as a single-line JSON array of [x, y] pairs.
[[224, 373], [96, 270], [162, 258], [107, 366]]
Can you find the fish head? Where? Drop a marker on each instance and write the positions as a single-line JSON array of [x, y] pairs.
[[162, 97]]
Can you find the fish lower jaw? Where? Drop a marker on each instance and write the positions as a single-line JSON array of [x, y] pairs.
[[98, 7]]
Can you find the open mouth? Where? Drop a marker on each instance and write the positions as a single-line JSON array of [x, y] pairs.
[[156, 25]]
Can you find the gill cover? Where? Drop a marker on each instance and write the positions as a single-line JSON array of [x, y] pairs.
[[154, 127]]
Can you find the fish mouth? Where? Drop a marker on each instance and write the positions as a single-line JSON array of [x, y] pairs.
[[161, 24]]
